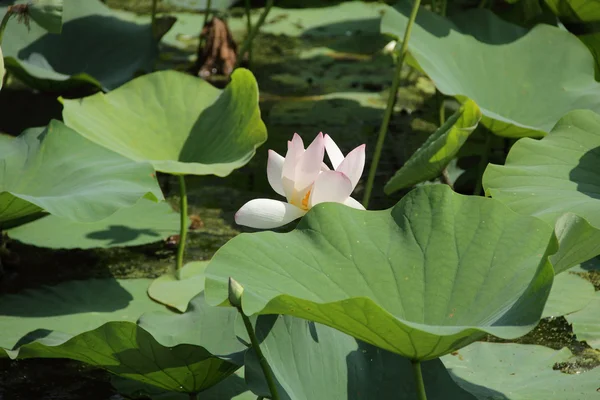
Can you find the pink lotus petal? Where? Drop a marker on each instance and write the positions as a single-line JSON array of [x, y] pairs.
[[353, 165], [330, 186], [309, 165], [275, 172], [350, 202], [267, 214], [333, 152]]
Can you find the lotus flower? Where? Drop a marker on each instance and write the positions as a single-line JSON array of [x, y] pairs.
[[305, 181]]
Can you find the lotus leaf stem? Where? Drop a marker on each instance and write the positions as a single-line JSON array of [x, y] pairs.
[[252, 34], [390, 104], [183, 228], [483, 161], [193, 396], [264, 365], [153, 15], [419, 384]]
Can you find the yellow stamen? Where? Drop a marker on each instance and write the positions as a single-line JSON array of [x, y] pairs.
[[305, 201]]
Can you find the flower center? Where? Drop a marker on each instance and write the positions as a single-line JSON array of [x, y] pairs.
[[304, 205]]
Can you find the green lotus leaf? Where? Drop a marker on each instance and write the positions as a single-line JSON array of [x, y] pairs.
[[177, 288], [70, 321], [570, 293], [428, 276], [518, 372], [557, 175], [58, 171], [314, 362], [84, 54], [145, 222], [438, 150], [189, 127], [231, 388], [213, 328], [586, 324], [52, 315], [518, 78], [47, 14]]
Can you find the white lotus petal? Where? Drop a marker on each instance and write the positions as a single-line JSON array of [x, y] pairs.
[[333, 152], [330, 186], [275, 172], [309, 165], [353, 165], [350, 202], [267, 214]]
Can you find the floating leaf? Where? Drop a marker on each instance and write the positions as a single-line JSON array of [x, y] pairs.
[[314, 362], [570, 293], [145, 222], [84, 54], [518, 78], [189, 127], [47, 14], [428, 276], [518, 372], [553, 176], [178, 288], [439, 149], [58, 171], [586, 323]]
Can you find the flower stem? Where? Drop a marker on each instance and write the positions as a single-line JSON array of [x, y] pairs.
[[206, 13], [264, 365], [183, 211], [483, 161], [420, 385], [4, 22], [248, 29], [390, 104], [250, 37]]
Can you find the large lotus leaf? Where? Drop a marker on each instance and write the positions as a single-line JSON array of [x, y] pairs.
[[314, 362], [96, 48], [47, 14], [553, 176], [213, 328], [189, 127], [125, 349], [438, 150], [170, 351], [177, 288], [519, 372], [570, 293], [58, 171], [523, 81], [421, 279], [52, 315], [586, 323], [145, 222]]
